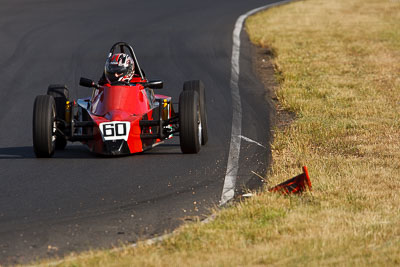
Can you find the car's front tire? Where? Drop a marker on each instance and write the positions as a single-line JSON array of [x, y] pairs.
[[189, 122], [61, 95], [44, 126], [198, 86]]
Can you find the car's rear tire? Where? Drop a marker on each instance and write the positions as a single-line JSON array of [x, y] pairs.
[[43, 128], [198, 86], [189, 122], [61, 95]]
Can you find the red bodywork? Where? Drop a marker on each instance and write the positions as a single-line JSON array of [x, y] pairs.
[[122, 104]]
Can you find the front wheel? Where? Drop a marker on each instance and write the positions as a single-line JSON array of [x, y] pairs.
[[190, 122], [198, 86], [44, 126], [61, 95]]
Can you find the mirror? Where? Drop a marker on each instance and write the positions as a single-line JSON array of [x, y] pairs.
[[88, 83], [156, 84]]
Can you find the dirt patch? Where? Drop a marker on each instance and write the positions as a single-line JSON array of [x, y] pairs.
[[263, 65]]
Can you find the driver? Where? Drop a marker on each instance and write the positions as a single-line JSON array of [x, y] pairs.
[[119, 68]]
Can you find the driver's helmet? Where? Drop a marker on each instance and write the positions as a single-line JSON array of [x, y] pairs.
[[119, 67]]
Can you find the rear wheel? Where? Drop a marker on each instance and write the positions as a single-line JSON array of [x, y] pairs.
[[190, 122], [198, 86], [61, 95], [44, 126]]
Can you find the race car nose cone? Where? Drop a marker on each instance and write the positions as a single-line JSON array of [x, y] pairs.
[[117, 115]]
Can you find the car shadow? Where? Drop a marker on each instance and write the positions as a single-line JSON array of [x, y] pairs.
[[26, 152], [23, 152], [79, 152], [164, 149]]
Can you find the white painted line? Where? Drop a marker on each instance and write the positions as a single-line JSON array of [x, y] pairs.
[[251, 141], [228, 191]]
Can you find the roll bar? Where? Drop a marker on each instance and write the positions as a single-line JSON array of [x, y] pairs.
[[122, 46]]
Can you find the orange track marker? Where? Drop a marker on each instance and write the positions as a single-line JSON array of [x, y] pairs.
[[295, 185]]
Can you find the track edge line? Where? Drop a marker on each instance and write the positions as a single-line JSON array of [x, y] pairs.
[[228, 191]]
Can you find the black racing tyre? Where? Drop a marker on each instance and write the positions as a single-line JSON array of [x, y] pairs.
[[189, 122], [198, 86], [61, 95], [43, 128]]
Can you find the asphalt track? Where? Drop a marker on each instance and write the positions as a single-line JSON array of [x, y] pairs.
[[77, 201]]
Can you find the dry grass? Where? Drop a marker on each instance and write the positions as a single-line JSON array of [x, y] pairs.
[[338, 64], [339, 70]]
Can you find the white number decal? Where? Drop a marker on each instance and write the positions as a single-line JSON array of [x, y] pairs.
[[115, 130]]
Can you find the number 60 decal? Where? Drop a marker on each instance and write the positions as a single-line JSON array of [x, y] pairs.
[[115, 130]]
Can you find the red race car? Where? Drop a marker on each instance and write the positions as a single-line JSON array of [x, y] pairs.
[[122, 116]]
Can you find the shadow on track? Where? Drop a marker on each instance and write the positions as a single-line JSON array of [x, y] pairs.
[[23, 152], [26, 152], [164, 149], [77, 152]]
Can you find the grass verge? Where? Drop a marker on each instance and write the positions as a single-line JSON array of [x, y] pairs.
[[337, 63]]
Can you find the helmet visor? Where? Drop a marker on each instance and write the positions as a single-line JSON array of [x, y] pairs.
[[115, 72]]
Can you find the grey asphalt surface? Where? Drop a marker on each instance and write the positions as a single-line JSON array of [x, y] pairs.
[[77, 201]]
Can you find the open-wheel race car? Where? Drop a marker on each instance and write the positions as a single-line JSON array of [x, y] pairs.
[[121, 117]]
